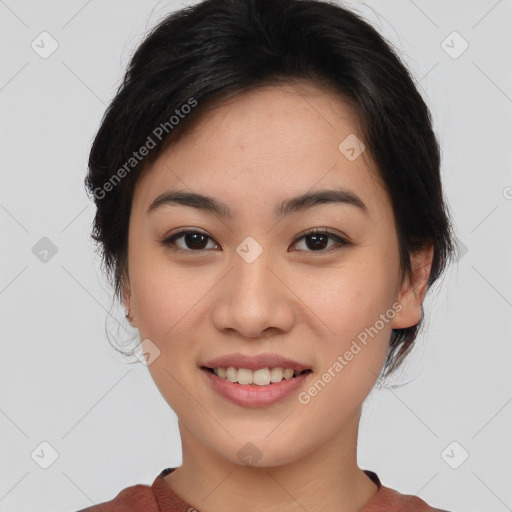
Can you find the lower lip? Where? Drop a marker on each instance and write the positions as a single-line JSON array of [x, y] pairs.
[[252, 395]]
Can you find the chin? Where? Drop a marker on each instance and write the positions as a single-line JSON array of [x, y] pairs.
[[259, 452]]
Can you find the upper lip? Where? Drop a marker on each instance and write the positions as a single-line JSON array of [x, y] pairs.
[[255, 362]]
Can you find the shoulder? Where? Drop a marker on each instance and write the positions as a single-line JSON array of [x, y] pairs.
[[136, 497], [158, 497], [390, 500]]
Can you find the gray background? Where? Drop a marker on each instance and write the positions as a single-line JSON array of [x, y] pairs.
[[62, 383]]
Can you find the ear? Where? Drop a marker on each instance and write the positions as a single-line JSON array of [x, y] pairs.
[[413, 289]]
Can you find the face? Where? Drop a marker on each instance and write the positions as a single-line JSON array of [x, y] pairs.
[[261, 281]]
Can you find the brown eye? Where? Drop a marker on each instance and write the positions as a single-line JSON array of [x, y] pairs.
[[193, 241], [318, 241]]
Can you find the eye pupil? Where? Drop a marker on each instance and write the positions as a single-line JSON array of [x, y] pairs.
[[196, 239], [316, 244]]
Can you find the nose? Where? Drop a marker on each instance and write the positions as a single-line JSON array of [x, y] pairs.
[[253, 300]]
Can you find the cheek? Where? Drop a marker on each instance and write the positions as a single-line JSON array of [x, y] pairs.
[[354, 306], [164, 307], [348, 299], [358, 315], [164, 295]]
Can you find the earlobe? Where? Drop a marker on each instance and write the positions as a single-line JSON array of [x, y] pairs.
[[414, 289]]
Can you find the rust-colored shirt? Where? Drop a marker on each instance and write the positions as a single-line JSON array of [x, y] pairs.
[[159, 497]]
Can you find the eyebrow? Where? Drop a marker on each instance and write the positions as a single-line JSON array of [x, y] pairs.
[[286, 207]]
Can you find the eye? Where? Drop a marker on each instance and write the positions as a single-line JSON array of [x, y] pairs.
[[318, 239], [197, 241]]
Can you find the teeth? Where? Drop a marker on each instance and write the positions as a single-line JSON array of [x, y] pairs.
[[244, 376], [231, 374], [276, 375], [288, 373], [261, 377]]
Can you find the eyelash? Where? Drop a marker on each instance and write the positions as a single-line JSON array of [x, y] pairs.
[[169, 242]]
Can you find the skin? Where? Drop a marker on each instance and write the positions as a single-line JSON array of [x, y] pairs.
[[251, 152]]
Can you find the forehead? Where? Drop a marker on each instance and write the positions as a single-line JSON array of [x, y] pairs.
[[263, 146]]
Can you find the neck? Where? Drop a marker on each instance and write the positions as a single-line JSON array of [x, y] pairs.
[[326, 479]]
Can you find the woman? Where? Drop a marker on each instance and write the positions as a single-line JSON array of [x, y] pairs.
[[270, 212]]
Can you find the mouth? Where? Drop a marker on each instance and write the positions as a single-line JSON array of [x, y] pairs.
[[258, 386]]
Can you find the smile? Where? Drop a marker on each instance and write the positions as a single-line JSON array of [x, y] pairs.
[[254, 395]]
